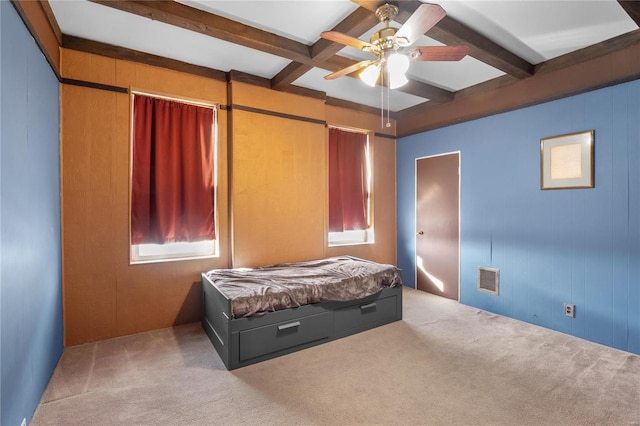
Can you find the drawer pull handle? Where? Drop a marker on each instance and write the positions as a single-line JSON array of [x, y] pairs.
[[368, 306], [290, 325]]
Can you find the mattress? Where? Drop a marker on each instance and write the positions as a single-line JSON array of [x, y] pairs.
[[256, 291]]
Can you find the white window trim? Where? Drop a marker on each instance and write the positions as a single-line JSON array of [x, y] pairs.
[[151, 253], [351, 238], [172, 252], [360, 236]]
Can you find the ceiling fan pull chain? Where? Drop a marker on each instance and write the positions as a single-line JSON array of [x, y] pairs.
[[382, 98], [386, 70], [388, 103]]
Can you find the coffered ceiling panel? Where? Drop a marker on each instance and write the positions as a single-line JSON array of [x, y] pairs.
[[302, 21], [99, 23], [280, 41]]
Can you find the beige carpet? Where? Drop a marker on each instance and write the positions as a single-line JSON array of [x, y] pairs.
[[445, 363]]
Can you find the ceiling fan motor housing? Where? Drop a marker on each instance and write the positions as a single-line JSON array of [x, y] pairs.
[[386, 42], [386, 13], [386, 39]]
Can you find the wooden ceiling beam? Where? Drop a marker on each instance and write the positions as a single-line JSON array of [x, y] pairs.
[[189, 18], [451, 32], [590, 52], [46, 7], [117, 52], [243, 77], [289, 74], [632, 7], [605, 70], [435, 94], [354, 25], [413, 87], [454, 33], [180, 15], [357, 23]]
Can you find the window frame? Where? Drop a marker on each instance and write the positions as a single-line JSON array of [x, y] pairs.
[[176, 251], [355, 237]]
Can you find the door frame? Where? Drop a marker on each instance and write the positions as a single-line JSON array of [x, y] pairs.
[[415, 219]]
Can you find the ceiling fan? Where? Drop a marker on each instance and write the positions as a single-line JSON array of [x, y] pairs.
[[390, 65]]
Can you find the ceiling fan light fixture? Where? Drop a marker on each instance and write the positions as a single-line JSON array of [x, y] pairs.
[[397, 63], [397, 66], [389, 68], [370, 74], [397, 80]]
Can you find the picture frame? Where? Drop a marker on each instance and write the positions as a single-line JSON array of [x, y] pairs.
[[567, 161]]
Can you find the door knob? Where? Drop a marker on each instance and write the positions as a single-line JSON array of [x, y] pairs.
[[420, 232]]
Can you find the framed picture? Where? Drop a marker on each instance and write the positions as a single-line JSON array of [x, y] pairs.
[[567, 161]]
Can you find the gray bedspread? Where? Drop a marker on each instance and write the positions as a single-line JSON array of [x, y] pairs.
[[255, 291]]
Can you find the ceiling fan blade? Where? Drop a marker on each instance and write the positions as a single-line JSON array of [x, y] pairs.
[[438, 53], [345, 39], [348, 70], [421, 21]]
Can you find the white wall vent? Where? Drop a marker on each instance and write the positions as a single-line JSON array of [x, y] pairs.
[[488, 279]]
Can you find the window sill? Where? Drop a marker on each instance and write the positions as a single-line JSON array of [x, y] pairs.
[[173, 259]]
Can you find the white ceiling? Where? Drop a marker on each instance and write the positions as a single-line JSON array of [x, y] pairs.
[[533, 30]]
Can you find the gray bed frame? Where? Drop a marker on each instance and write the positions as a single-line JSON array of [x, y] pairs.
[[244, 341]]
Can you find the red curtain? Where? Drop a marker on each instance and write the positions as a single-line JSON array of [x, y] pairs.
[[172, 194], [347, 180]]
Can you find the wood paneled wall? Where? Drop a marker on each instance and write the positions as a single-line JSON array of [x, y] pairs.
[[278, 164], [279, 177], [104, 296]]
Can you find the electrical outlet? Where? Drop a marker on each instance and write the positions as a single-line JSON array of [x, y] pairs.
[[570, 310]]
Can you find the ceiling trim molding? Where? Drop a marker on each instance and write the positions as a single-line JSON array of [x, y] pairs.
[[255, 80], [46, 7], [243, 77], [341, 103], [35, 18], [303, 91], [488, 85], [117, 52], [591, 52]]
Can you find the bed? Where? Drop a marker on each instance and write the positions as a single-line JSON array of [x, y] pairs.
[[254, 314]]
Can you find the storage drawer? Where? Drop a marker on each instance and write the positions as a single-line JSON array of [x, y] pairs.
[[272, 338], [366, 314]]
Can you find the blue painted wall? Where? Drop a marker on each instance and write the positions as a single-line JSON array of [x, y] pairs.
[[30, 255], [579, 246]]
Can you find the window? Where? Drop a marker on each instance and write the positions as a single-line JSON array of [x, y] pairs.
[[173, 179], [349, 187]]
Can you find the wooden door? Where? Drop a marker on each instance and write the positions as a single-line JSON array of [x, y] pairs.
[[437, 225]]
